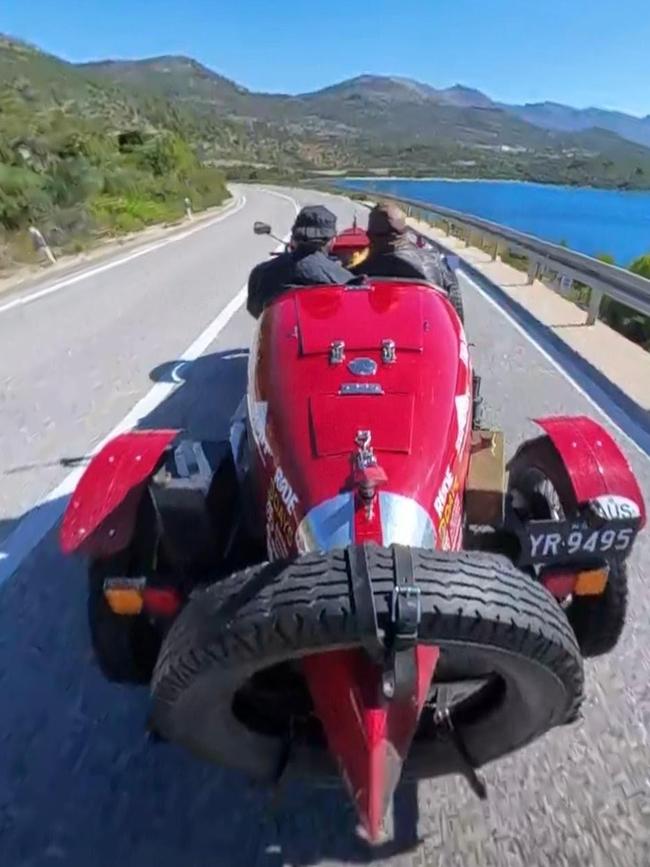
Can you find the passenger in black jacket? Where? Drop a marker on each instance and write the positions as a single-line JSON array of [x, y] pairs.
[[392, 254], [306, 263]]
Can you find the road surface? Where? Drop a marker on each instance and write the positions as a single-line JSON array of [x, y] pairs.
[[79, 784]]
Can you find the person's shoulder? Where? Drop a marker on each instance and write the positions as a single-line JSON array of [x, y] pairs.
[[270, 265]]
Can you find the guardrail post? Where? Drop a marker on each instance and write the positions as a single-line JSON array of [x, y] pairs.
[[533, 271], [593, 310], [41, 245]]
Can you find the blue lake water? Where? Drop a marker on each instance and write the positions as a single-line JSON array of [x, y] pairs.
[[591, 221]]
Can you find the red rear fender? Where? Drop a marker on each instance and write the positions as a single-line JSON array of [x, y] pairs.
[[112, 487], [593, 460]]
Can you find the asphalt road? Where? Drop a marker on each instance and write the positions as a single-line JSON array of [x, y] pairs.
[[79, 784]]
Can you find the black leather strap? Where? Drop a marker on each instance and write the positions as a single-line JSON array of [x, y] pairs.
[[364, 602], [395, 650]]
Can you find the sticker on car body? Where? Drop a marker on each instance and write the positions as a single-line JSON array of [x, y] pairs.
[[258, 419], [443, 493], [462, 414], [612, 507]]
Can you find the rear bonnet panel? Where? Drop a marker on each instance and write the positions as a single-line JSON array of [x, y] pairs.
[[311, 426]]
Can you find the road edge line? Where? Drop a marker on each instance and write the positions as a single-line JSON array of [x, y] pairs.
[[43, 516]]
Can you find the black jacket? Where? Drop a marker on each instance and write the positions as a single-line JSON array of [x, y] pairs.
[[294, 268], [408, 261]]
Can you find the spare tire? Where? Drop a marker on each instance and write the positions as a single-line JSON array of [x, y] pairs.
[[485, 616]]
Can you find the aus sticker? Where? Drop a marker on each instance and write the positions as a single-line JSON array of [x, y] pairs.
[[612, 507]]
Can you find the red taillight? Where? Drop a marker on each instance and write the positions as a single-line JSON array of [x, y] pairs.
[[560, 583], [161, 601], [587, 582]]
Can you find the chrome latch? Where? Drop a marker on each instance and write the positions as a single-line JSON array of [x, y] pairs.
[[388, 353], [365, 455], [337, 352]]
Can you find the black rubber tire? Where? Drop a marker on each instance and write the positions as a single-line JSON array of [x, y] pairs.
[[125, 647], [597, 621], [456, 299], [475, 606]]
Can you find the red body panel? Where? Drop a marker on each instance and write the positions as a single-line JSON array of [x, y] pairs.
[[111, 487], [420, 423], [369, 736], [594, 462]]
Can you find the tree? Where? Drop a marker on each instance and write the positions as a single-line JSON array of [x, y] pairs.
[[641, 266]]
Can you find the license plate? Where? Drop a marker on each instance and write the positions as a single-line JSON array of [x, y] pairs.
[[545, 542]]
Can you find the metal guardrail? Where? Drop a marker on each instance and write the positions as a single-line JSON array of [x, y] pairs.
[[543, 257]]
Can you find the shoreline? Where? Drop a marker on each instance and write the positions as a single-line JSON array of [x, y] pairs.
[[410, 178]]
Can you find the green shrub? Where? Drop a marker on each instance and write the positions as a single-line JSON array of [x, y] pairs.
[[642, 266], [632, 324]]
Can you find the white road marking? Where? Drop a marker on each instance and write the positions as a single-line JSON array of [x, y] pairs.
[[42, 518], [574, 382], [144, 251]]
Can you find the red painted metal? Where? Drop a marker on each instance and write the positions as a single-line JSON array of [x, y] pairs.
[[350, 240], [595, 463], [362, 318], [420, 423], [335, 428], [100, 517], [368, 735]]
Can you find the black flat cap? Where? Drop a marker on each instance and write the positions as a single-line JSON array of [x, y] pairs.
[[314, 223]]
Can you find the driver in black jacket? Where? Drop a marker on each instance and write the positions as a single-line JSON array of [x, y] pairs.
[[306, 263], [392, 254]]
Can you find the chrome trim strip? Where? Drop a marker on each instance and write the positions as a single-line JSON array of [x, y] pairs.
[[361, 388], [328, 525], [405, 522], [331, 524]]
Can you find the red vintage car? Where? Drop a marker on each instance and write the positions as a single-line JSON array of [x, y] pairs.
[[355, 584]]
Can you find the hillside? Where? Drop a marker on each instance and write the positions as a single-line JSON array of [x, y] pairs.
[[83, 159]]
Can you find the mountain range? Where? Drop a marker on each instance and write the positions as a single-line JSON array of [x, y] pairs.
[[186, 79], [368, 123]]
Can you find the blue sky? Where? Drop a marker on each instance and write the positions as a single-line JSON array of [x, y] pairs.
[[582, 52]]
